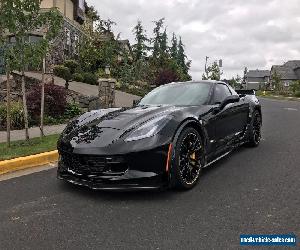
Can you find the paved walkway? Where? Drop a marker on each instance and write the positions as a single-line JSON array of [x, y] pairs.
[[17, 135], [122, 99]]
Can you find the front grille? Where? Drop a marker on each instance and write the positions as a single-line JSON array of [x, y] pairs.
[[94, 165]]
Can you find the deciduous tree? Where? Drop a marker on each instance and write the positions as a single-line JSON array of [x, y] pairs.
[[213, 72], [19, 19]]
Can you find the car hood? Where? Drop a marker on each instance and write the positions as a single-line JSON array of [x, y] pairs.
[[102, 128], [123, 118]]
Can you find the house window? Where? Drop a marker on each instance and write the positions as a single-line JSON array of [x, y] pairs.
[[81, 5], [76, 44], [68, 36], [12, 39], [34, 39]]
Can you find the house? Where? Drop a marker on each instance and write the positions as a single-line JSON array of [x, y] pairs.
[[257, 79], [124, 50], [75, 19], [66, 44], [289, 72]]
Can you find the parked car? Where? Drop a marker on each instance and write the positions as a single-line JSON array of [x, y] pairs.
[[163, 141]]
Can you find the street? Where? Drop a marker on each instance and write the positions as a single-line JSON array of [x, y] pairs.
[[252, 191]]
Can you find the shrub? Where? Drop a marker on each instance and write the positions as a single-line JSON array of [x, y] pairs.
[[78, 77], [72, 110], [71, 65], [2, 116], [295, 86], [55, 101], [166, 76], [63, 72], [283, 93], [17, 116], [297, 94], [48, 120], [90, 78], [101, 73], [118, 85]]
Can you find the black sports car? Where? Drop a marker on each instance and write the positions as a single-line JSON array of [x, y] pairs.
[[163, 141]]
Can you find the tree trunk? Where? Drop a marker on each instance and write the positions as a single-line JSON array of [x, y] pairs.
[[25, 105], [8, 108], [43, 98]]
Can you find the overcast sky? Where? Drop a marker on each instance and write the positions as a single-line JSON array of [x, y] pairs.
[[252, 33]]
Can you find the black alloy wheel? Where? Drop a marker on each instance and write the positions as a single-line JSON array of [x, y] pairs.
[[189, 159], [255, 130]]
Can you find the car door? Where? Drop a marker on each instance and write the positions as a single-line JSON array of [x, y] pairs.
[[227, 122], [241, 113]]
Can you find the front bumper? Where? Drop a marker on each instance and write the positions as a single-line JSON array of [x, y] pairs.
[[139, 170]]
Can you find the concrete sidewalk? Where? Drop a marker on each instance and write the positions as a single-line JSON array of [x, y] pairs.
[[17, 135], [122, 99]]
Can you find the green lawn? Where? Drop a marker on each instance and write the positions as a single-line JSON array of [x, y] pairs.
[[274, 95], [23, 148]]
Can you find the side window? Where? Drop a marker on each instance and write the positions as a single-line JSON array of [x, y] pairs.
[[221, 92], [233, 92]]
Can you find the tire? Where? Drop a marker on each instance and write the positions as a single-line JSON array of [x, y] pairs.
[[255, 130], [188, 159]]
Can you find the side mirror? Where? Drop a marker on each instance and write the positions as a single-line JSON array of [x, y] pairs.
[[135, 103], [229, 99]]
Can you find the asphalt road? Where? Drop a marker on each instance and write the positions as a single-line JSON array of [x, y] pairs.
[[251, 191]]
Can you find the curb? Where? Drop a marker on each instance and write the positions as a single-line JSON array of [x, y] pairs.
[[282, 98], [26, 162]]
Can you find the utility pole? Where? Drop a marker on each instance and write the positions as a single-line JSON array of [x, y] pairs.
[[206, 59]]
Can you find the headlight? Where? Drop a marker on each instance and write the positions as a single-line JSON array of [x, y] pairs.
[[149, 128]]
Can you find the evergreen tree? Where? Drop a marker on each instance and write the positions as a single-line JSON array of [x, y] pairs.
[[245, 75], [164, 44], [183, 64], [174, 47], [140, 48], [157, 40]]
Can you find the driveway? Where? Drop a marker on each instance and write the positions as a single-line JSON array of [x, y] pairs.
[[122, 99]]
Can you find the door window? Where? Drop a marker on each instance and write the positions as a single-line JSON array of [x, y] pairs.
[[221, 92]]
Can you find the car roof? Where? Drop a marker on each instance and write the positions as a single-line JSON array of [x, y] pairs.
[[201, 81]]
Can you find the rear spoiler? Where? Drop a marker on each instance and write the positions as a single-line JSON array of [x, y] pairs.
[[245, 91]]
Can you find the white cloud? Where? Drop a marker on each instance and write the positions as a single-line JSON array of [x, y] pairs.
[[250, 33]]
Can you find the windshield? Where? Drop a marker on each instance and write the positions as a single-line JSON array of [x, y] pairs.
[[178, 94]]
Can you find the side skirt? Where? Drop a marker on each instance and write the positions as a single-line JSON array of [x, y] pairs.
[[217, 159]]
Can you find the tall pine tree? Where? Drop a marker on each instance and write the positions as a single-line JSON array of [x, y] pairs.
[[182, 61], [157, 40], [174, 47], [140, 48], [164, 44]]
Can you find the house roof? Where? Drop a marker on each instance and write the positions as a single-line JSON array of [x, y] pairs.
[[124, 41], [124, 44], [286, 73], [258, 73], [294, 64]]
